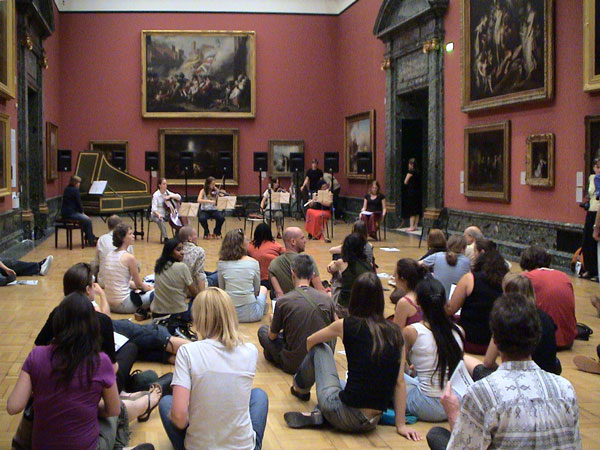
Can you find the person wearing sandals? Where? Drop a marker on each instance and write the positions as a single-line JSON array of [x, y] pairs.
[[239, 276], [213, 404], [434, 347], [375, 353], [208, 209], [69, 377], [173, 284], [124, 287], [407, 275]]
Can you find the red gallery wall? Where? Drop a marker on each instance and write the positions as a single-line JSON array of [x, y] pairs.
[[563, 116]]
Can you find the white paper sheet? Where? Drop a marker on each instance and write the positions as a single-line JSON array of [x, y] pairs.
[[120, 340], [389, 249], [460, 379]]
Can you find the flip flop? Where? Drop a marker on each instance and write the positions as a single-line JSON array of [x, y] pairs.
[[133, 395], [296, 419], [144, 417]]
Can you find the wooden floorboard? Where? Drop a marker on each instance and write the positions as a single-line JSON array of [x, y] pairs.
[[24, 309]]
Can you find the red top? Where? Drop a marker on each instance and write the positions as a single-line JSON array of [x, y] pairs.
[[267, 252], [554, 295]]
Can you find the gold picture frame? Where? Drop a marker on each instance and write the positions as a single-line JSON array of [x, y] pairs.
[[192, 74], [487, 162], [359, 136], [5, 157], [591, 51], [540, 160], [108, 147], [7, 49], [51, 151], [279, 156], [208, 147], [492, 78]]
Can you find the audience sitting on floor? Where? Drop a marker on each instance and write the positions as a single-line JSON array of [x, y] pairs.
[[72, 209], [375, 354], [298, 314], [280, 272], [449, 266], [124, 287], [436, 242], [544, 354], [104, 246], [553, 293], [264, 249], [10, 269], [519, 405], [213, 404], [239, 276], [346, 270], [407, 275], [434, 347], [173, 285], [194, 256], [472, 234], [67, 379], [474, 296], [361, 228]]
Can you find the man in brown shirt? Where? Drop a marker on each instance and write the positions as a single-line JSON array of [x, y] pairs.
[[298, 314]]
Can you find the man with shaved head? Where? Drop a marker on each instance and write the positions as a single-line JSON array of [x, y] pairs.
[[280, 272], [472, 233]]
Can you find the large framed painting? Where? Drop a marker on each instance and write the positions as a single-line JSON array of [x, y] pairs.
[[487, 162], [359, 136], [591, 45], [206, 151], [5, 167], [507, 52], [51, 151], [7, 48], [540, 160], [116, 152], [592, 142], [198, 74], [279, 152]]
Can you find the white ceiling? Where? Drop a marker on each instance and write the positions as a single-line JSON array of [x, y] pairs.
[[229, 6]]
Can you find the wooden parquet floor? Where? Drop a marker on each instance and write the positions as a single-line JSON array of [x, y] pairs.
[[24, 309]]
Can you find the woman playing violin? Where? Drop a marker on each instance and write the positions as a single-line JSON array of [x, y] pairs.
[[160, 211], [208, 208], [273, 208]]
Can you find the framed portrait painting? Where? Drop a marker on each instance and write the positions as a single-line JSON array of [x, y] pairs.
[[51, 151], [116, 152], [487, 162], [5, 167], [279, 152], [591, 45], [7, 50], [198, 153], [507, 52], [198, 74], [592, 142], [359, 136], [540, 160]]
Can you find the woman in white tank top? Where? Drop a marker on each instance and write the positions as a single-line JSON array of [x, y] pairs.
[[122, 276], [434, 347]]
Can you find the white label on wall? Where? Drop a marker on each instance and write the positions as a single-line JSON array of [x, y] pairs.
[[523, 177], [263, 175], [462, 176], [154, 174], [579, 195], [462, 188], [13, 155], [579, 179]]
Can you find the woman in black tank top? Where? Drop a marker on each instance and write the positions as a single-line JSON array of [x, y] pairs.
[[375, 353]]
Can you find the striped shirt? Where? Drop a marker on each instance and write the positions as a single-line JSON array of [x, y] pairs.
[[518, 406], [116, 278]]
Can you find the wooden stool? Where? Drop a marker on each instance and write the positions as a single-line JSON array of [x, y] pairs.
[[68, 225]]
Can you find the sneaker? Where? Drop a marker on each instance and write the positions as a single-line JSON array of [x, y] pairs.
[[45, 266], [299, 420]]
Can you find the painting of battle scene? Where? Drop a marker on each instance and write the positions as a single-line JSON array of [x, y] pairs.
[[198, 74]]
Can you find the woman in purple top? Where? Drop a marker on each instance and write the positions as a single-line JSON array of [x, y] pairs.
[[69, 377]]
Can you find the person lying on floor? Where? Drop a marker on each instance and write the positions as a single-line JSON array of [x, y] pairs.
[[10, 269]]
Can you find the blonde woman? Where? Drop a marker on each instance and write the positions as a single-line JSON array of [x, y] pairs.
[[213, 404]]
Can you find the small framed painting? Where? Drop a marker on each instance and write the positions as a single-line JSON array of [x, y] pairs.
[[359, 137], [51, 151], [540, 160], [279, 152]]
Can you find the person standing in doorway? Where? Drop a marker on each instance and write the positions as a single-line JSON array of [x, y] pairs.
[[412, 184]]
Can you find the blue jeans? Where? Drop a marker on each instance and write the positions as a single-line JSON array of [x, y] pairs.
[[259, 408], [252, 312], [86, 224], [21, 268], [428, 409], [319, 367], [218, 216], [212, 279], [150, 339]]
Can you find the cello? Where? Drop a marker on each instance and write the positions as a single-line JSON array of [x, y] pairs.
[[175, 220]]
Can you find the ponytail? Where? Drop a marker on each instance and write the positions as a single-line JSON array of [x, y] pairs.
[[456, 245]]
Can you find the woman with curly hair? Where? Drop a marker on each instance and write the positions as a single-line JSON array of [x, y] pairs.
[[239, 276]]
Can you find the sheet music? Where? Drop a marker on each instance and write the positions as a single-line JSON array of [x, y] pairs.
[[228, 202], [98, 187], [280, 197], [325, 196], [189, 209]]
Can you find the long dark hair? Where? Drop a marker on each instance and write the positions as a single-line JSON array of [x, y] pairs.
[[207, 183], [431, 297], [77, 278], [493, 266], [411, 271], [76, 338], [166, 257], [262, 234], [367, 303], [353, 248]]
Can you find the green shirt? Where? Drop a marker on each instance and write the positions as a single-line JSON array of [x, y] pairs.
[[281, 268], [170, 289]]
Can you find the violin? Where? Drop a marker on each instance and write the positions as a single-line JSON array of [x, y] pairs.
[[175, 220], [219, 192]]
